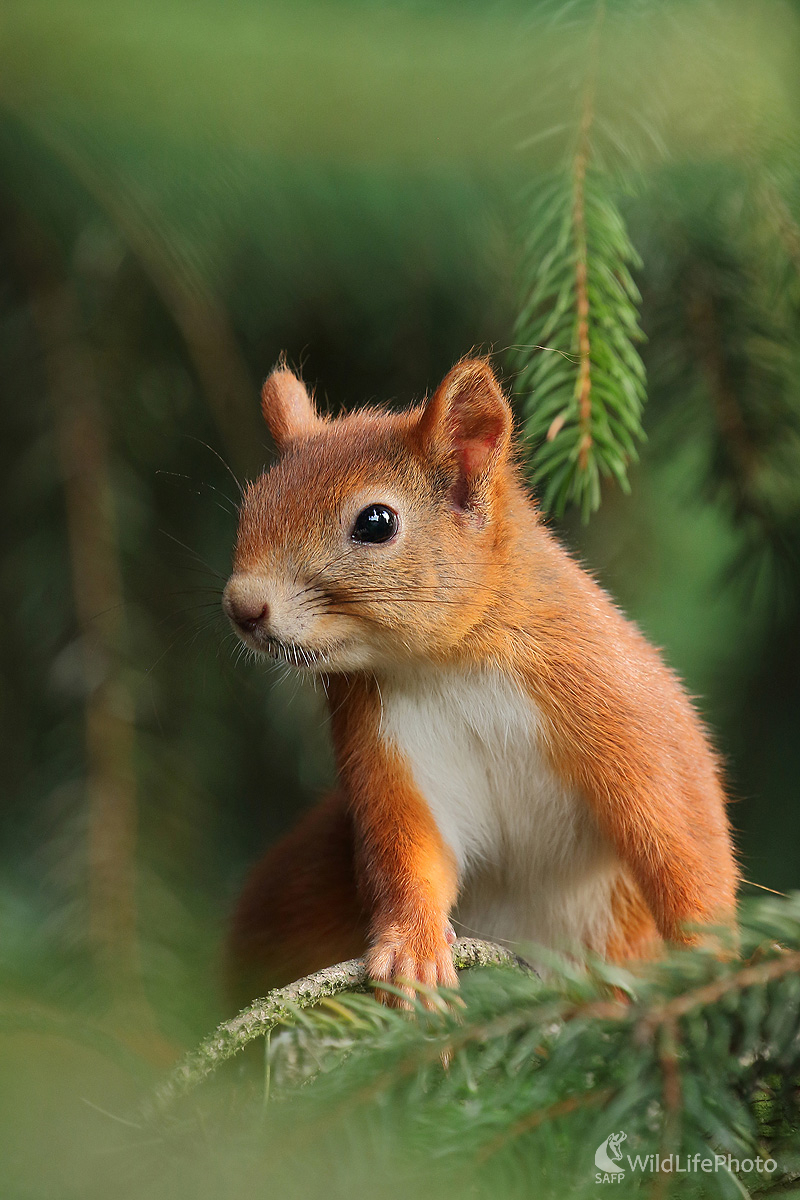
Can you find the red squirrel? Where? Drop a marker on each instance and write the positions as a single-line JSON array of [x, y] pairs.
[[512, 754]]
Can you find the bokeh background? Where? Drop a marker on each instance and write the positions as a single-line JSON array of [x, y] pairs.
[[186, 191]]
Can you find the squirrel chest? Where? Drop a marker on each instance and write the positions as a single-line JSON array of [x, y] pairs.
[[532, 863]]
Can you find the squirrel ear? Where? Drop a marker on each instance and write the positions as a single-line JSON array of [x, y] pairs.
[[468, 422], [287, 407]]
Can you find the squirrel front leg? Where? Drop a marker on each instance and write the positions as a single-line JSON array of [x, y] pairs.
[[680, 861], [406, 874], [651, 780]]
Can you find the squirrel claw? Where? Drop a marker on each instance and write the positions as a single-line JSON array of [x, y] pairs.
[[410, 968]]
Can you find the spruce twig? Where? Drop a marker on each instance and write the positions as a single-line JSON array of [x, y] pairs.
[[584, 383], [580, 377], [750, 976]]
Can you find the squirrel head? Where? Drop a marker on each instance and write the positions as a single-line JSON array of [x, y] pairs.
[[376, 537]]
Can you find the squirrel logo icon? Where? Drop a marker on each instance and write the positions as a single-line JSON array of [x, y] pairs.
[[608, 1154]]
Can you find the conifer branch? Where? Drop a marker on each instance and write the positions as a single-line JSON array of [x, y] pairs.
[[702, 1055], [581, 379], [561, 1108], [780, 217], [584, 384], [727, 410], [788, 963]]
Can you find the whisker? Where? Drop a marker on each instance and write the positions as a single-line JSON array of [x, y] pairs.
[[217, 591], [379, 598], [203, 628], [190, 608], [368, 589], [105, 611], [205, 605], [203, 572], [380, 699], [433, 587], [196, 485], [194, 553], [217, 454], [184, 631], [325, 567]]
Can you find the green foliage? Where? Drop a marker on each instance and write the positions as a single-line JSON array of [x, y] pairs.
[[724, 278], [581, 377], [731, 320], [508, 1095], [701, 1057], [580, 372]]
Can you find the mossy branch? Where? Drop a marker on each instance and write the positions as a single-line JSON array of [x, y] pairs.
[[229, 1038]]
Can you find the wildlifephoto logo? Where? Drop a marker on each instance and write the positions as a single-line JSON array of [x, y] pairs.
[[608, 1156], [611, 1164]]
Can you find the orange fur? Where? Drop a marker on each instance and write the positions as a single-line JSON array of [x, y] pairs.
[[634, 932], [300, 910], [472, 581], [406, 874]]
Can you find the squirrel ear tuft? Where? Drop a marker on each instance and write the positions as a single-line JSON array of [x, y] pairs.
[[468, 422], [287, 407]]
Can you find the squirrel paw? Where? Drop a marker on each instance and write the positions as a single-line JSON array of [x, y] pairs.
[[407, 960]]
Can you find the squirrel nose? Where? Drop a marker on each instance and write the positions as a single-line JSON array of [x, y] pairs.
[[245, 605], [248, 616]]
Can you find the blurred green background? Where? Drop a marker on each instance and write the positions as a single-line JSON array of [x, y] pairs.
[[189, 189]]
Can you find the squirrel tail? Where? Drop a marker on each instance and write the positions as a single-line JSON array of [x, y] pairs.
[[299, 910]]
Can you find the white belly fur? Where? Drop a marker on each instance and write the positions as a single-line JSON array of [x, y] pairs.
[[533, 867]]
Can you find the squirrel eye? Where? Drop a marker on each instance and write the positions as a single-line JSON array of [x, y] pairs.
[[375, 524]]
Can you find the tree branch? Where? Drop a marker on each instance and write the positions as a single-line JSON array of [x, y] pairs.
[[229, 1038], [584, 383], [75, 394]]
